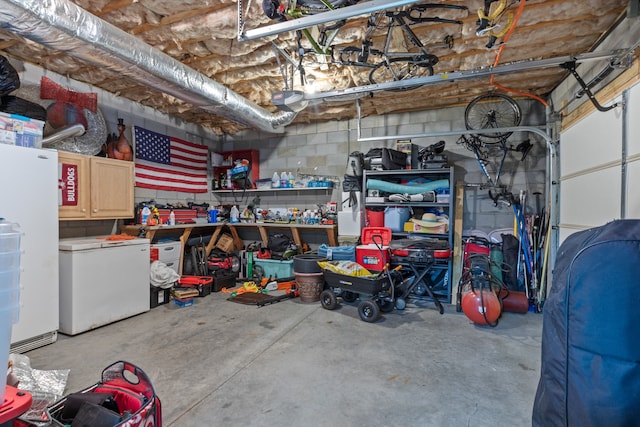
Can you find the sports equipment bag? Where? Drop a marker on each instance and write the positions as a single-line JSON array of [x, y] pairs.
[[126, 399], [590, 367]]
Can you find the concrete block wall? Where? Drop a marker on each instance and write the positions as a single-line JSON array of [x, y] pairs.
[[323, 149]]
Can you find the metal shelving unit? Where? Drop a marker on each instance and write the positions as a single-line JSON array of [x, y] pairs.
[[440, 270]]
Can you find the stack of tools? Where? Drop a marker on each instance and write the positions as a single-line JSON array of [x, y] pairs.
[[202, 284], [183, 297]]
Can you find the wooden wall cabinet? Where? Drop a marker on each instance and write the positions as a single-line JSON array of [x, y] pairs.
[[95, 187]]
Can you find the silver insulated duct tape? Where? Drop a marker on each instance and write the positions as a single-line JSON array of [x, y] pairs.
[[65, 27]]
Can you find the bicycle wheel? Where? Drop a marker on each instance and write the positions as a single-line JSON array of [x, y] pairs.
[[399, 69], [492, 110]]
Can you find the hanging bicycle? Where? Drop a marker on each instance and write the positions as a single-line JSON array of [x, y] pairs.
[[284, 10], [320, 45], [493, 111], [490, 111], [387, 64]]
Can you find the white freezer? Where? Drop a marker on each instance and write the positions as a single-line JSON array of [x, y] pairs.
[[101, 282], [29, 197]]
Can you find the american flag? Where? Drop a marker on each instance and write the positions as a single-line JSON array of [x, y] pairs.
[[168, 163]]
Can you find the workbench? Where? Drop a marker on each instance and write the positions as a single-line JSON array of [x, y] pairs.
[[184, 231]]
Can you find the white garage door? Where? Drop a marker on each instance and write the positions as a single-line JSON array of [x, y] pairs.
[[600, 168]]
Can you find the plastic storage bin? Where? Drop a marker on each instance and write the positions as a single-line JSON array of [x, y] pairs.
[[9, 292], [275, 268], [159, 296], [167, 252]]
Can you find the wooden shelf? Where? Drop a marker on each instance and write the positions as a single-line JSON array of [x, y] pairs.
[[184, 231]]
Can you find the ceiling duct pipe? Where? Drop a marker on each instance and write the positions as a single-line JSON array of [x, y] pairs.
[[65, 27]]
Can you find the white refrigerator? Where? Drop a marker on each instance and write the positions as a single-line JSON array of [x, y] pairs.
[[102, 281], [29, 197]]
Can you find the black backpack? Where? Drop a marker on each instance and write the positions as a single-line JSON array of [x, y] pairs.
[[590, 366], [279, 244]]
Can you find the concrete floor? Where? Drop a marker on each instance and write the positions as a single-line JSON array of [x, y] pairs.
[[219, 363]]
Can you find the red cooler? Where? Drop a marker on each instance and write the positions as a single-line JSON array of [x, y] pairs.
[[373, 254]]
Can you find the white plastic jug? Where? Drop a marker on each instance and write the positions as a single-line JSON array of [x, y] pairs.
[[146, 213], [234, 215]]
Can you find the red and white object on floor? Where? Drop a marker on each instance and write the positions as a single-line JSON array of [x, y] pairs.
[[15, 403], [373, 253]]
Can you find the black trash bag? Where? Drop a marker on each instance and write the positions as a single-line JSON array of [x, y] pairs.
[[13, 105], [510, 259], [9, 79]]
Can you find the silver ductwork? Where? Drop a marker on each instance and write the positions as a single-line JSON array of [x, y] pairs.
[[65, 27]]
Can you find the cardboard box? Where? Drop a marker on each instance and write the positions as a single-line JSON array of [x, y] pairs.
[[412, 227], [225, 243]]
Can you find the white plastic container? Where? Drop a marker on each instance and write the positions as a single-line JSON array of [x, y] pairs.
[[6, 314], [234, 215], [146, 213], [9, 292], [9, 261], [9, 237]]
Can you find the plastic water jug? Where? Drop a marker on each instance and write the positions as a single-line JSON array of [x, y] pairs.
[[234, 215], [395, 217], [146, 213]]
